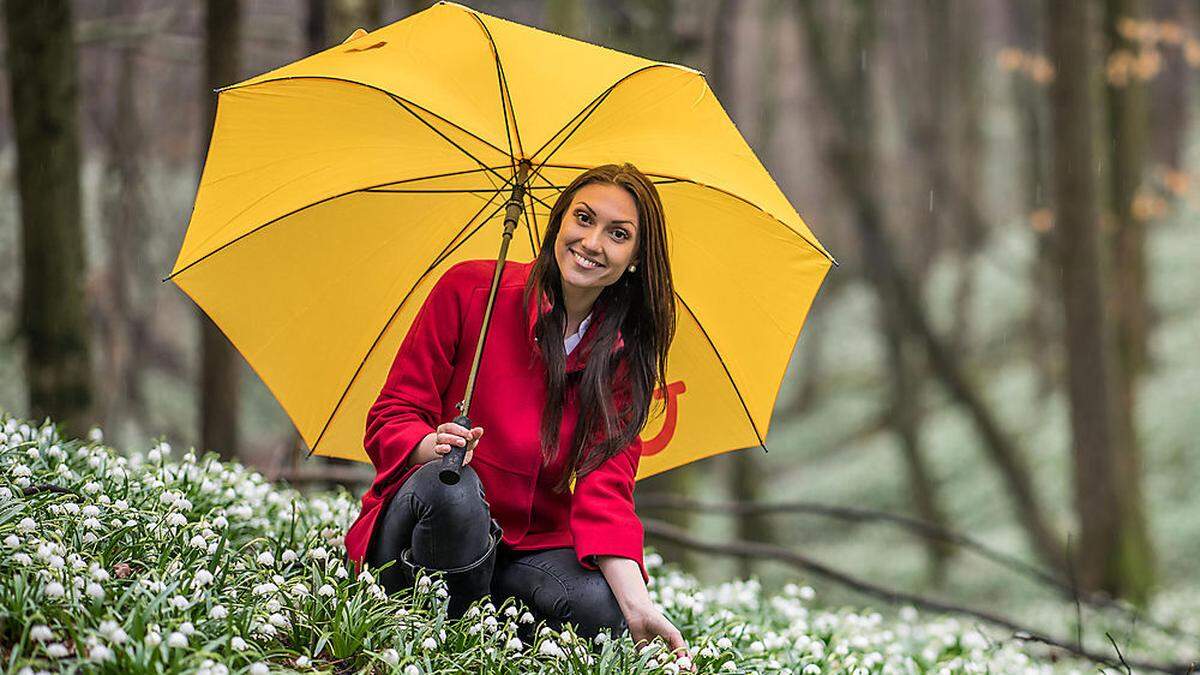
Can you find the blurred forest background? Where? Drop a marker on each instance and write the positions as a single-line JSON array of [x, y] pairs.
[[1009, 350]]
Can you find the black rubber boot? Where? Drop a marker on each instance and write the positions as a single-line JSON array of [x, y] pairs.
[[465, 584]]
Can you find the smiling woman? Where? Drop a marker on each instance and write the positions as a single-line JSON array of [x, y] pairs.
[[512, 526]]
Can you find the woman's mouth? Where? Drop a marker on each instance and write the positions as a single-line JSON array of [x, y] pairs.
[[586, 263]]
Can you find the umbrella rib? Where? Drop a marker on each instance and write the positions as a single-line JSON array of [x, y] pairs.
[[295, 211], [369, 86], [533, 249], [446, 138], [440, 258], [506, 106], [590, 107], [716, 351]]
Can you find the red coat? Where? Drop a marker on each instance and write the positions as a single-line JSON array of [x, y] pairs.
[[429, 376]]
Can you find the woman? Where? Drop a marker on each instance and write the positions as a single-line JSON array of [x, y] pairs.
[[576, 345]]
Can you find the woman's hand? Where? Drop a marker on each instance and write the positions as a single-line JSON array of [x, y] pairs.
[[449, 435], [646, 623]]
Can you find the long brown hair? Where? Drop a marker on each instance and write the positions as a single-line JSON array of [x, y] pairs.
[[641, 305]]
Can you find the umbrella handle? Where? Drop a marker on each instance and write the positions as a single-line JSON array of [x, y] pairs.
[[452, 462]]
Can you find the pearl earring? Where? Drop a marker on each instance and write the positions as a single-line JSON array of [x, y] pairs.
[[633, 268]]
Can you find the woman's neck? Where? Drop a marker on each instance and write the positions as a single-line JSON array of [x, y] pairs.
[[579, 303]]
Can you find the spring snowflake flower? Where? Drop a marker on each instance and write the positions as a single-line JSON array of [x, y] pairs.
[[177, 639], [197, 541], [318, 553], [179, 602], [302, 662], [27, 525], [551, 648], [187, 628], [238, 644], [95, 590], [266, 559], [259, 668], [366, 577], [57, 650], [326, 590], [202, 578], [514, 644], [100, 653], [153, 639], [41, 633], [526, 618], [429, 643], [176, 519], [55, 589], [218, 612], [289, 556], [390, 656], [410, 669]]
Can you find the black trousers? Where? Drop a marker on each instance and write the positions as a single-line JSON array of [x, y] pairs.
[[435, 526]]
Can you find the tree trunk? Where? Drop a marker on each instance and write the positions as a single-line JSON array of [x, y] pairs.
[[1113, 545], [851, 107], [53, 318], [221, 365]]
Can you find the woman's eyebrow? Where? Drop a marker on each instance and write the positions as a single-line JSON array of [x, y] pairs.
[[593, 212]]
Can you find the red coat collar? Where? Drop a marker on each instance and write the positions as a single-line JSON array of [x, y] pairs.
[[577, 359]]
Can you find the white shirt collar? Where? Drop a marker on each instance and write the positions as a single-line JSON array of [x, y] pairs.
[[572, 341]]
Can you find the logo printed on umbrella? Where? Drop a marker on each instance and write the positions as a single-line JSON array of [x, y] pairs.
[[663, 438], [377, 45]]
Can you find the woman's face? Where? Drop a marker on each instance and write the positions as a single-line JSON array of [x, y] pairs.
[[601, 225]]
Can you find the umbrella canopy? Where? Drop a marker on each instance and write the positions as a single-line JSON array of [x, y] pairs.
[[338, 188]]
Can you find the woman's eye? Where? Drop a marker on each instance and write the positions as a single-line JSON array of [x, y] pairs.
[[623, 233], [581, 214]]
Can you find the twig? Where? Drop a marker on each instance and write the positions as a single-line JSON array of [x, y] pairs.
[[753, 549], [920, 527]]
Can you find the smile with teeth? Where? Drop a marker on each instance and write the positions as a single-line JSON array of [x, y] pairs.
[[586, 262]]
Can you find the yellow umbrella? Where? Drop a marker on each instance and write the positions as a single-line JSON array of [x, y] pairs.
[[338, 188]]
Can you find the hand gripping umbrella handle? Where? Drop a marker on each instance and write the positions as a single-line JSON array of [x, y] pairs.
[[452, 462]]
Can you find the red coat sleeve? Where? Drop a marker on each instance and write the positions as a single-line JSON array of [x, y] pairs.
[[603, 521], [410, 402]]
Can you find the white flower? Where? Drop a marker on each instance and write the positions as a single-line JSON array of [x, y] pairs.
[[95, 590], [177, 639], [100, 653], [278, 620], [265, 629], [411, 669], [95, 435], [197, 541], [202, 578], [57, 650], [91, 487], [724, 643], [551, 648], [390, 656], [366, 577], [153, 639], [318, 553], [41, 633], [259, 668], [23, 559], [514, 643], [326, 590], [118, 636], [218, 612], [526, 618], [187, 628], [266, 559], [429, 643], [238, 644], [179, 602], [176, 519], [27, 525], [288, 556], [55, 589], [220, 521], [811, 669]]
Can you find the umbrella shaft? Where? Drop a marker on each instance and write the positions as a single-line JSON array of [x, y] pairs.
[[512, 214]]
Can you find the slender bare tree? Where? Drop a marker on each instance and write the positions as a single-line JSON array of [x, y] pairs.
[[1113, 552], [53, 321]]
